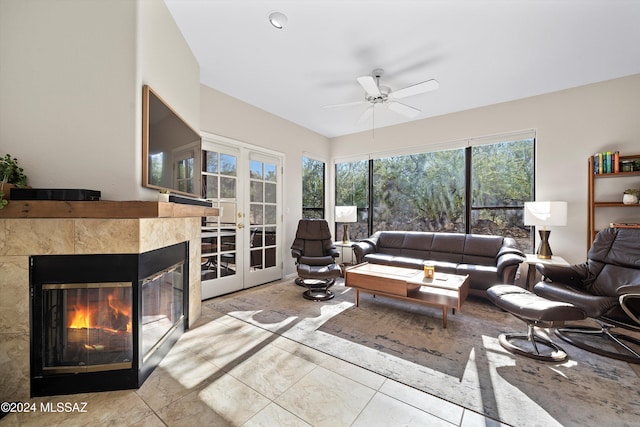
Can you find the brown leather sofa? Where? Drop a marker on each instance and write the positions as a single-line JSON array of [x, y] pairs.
[[487, 260]]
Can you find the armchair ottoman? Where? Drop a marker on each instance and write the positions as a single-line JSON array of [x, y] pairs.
[[536, 312]]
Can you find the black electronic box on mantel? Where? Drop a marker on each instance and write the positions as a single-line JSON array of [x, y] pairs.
[[61, 194]]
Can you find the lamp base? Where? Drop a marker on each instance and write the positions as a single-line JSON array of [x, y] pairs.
[[544, 250], [345, 233]]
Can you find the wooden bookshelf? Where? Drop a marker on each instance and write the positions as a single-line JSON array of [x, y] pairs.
[[592, 199]]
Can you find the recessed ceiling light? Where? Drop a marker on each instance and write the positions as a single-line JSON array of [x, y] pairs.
[[278, 20]]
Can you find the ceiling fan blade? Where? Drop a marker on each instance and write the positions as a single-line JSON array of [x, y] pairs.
[[365, 115], [403, 109], [369, 85], [416, 89], [344, 104]]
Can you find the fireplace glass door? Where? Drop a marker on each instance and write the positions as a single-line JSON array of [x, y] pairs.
[[162, 306], [87, 327]]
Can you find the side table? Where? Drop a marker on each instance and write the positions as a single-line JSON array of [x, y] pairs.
[[532, 260], [340, 244]]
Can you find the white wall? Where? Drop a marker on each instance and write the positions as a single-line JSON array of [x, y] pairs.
[[71, 83], [229, 117], [68, 84], [571, 125]]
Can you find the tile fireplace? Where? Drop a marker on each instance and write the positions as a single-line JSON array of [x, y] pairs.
[[103, 321], [53, 228]]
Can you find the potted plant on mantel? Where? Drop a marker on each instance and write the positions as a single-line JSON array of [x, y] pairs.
[[12, 175]]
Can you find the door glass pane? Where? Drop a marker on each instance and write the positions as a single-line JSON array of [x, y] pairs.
[[270, 193], [256, 169], [270, 172], [256, 237], [228, 164], [269, 214], [210, 189], [210, 162], [256, 191], [256, 214], [227, 188], [270, 257], [256, 259]]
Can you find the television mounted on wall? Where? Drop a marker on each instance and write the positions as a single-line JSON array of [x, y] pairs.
[[171, 149]]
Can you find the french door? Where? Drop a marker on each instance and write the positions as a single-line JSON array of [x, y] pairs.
[[242, 246]]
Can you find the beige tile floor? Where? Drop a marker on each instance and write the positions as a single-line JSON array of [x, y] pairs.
[[225, 372]]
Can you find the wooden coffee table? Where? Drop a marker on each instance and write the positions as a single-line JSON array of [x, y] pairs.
[[444, 290]]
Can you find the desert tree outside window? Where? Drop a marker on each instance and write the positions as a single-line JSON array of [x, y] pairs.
[[313, 185], [474, 186], [352, 189]]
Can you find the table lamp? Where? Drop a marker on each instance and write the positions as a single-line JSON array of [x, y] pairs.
[[346, 214], [544, 214]]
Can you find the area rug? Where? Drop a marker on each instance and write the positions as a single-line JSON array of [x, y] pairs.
[[463, 363]]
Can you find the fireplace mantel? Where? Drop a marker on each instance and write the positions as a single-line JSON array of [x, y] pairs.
[[102, 209]]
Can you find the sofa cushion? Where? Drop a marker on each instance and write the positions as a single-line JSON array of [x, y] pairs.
[[481, 250], [391, 240], [398, 261], [447, 247]]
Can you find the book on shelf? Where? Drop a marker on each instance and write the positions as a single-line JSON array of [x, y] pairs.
[[625, 223], [606, 162]]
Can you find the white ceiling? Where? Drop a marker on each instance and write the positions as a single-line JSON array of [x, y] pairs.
[[481, 51]]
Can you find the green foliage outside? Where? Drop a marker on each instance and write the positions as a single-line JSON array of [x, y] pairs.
[[426, 191], [312, 188]]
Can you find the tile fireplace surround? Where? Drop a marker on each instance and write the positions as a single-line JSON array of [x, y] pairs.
[[128, 231]]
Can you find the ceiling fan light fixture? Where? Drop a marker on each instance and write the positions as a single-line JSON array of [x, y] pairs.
[[278, 20]]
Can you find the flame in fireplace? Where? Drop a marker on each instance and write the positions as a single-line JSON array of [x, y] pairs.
[[81, 318], [120, 309], [114, 315]]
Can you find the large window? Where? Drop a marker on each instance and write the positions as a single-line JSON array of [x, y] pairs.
[[476, 189], [353, 190], [502, 180], [312, 188]]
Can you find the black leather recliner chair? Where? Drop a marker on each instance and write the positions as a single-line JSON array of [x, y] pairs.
[[315, 256], [606, 288]]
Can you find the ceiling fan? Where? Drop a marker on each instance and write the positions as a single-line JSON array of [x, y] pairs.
[[383, 95]]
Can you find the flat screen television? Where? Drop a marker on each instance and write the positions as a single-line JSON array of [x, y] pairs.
[[170, 148]]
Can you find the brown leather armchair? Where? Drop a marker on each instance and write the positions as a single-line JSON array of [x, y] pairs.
[[606, 288], [315, 256]]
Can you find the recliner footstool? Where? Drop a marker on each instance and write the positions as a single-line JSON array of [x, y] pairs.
[[536, 311]]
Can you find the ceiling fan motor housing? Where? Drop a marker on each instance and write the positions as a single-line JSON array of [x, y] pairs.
[[384, 94]]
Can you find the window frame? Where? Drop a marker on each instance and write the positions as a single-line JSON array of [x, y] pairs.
[[469, 207]]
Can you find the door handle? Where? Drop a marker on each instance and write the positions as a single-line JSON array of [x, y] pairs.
[[240, 225]]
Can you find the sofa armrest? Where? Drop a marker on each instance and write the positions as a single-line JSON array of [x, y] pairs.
[[507, 266], [363, 248]]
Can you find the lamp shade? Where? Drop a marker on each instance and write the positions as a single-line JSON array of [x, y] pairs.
[[545, 213], [346, 214]]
